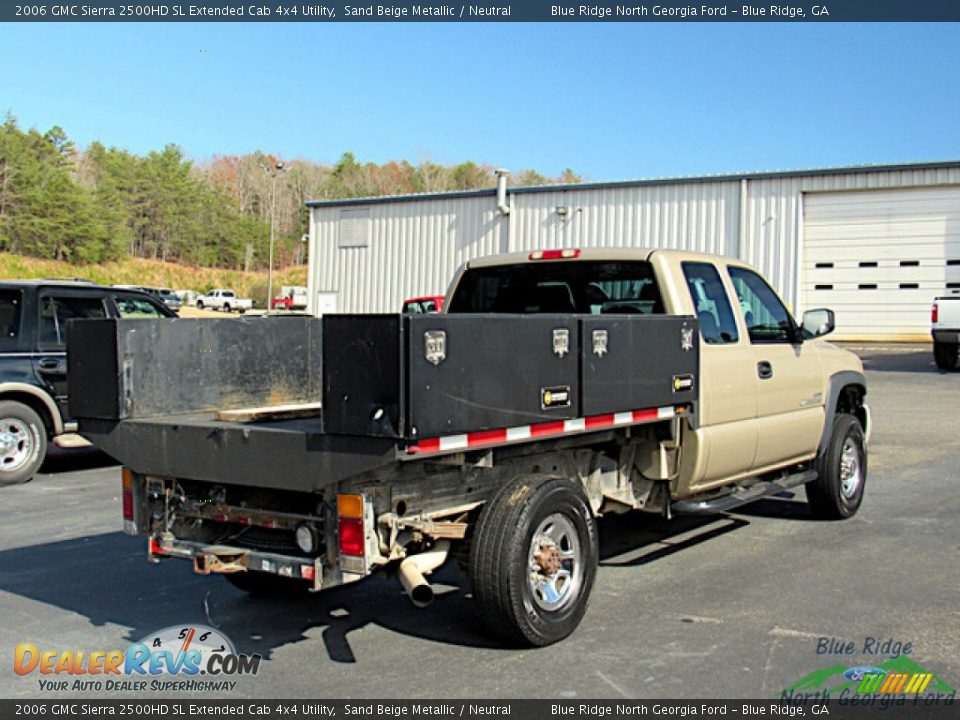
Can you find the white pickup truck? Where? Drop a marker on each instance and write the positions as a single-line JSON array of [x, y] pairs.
[[945, 319], [226, 300]]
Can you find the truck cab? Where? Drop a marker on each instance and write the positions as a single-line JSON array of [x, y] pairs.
[[769, 387]]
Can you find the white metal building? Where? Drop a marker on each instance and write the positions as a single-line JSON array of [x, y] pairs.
[[874, 243]]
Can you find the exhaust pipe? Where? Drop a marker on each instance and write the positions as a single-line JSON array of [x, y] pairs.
[[416, 566], [502, 176]]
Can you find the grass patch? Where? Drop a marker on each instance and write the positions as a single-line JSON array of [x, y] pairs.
[[155, 274]]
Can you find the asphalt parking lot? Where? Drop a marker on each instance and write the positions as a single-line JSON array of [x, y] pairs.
[[727, 607]]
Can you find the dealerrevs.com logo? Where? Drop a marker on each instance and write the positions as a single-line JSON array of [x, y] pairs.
[[191, 658]]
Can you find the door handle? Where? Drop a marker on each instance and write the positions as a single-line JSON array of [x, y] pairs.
[[50, 364], [764, 370]]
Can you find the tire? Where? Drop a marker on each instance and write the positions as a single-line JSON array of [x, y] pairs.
[[945, 355], [533, 560], [23, 443], [837, 492], [199, 304], [267, 585]]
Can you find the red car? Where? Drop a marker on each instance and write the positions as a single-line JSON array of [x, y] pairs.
[[421, 305]]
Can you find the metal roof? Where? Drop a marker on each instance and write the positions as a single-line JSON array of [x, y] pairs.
[[519, 190]]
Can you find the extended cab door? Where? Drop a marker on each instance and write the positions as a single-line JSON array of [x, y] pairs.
[[789, 375], [726, 441]]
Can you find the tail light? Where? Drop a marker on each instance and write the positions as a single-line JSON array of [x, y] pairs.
[[351, 537], [934, 313], [350, 528], [129, 518], [554, 254]]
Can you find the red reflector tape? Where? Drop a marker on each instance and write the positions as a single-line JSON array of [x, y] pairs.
[[127, 504], [307, 572], [542, 429], [155, 548], [487, 438]]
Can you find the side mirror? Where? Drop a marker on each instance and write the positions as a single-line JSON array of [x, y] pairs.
[[818, 322]]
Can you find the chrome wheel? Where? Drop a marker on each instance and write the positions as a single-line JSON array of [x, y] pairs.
[[17, 444], [850, 471], [555, 566]]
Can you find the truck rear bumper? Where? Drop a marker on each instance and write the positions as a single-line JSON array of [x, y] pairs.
[[223, 559], [951, 337]]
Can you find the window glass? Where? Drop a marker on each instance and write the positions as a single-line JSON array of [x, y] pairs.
[[559, 287], [766, 317], [717, 325], [134, 307], [10, 303], [55, 311]]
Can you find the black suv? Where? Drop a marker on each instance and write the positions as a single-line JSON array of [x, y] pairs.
[[33, 361]]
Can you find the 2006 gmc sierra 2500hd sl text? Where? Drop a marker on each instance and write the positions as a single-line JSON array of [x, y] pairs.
[[556, 386]]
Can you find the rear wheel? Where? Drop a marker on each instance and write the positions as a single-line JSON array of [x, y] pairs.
[[533, 560], [945, 355], [199, 304], [263, 584], [23, 442], [837, 492]]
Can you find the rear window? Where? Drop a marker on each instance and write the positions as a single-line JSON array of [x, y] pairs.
[[134, 307], [10, 304], [559, 287], [420, 307], [56, 311]]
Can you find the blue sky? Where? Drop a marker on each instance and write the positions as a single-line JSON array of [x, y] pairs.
[[610, 101]]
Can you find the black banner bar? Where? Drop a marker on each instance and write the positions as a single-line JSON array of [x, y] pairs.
[[483, 11], [889, 707]]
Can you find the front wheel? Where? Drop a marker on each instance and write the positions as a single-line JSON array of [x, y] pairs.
[[533, 560], [837, 492], [945, 355], [23, 443]]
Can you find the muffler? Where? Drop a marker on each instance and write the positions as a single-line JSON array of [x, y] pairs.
[[416, 566]]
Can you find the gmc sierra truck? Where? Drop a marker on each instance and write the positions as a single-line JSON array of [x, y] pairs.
[[945, 321], [555, 387]]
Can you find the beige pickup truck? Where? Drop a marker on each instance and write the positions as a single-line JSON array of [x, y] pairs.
[[555, 387]]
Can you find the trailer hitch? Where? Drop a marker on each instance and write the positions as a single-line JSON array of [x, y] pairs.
[[219, 559]]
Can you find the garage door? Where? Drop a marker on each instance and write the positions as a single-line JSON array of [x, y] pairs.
[[878, 258]]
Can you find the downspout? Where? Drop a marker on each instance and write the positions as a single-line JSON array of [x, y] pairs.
[[744, 220], [502, 207]]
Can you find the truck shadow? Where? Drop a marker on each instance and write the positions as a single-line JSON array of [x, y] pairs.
[[105, 579], [60, 460]]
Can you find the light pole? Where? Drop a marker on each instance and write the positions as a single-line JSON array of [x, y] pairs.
[[273, 219]]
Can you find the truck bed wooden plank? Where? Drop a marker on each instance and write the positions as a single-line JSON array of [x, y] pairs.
[[269, 412]]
